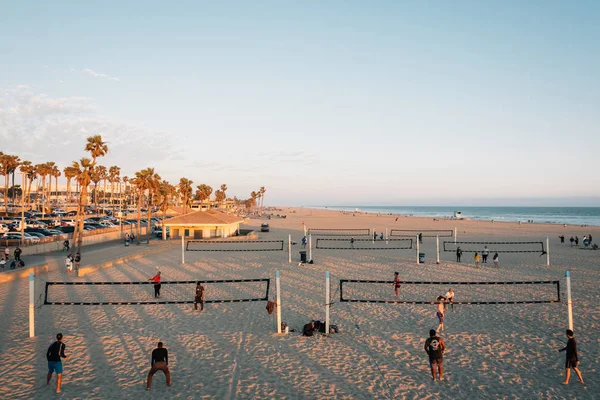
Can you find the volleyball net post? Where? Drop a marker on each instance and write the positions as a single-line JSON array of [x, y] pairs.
[[182, 250], [310, 247], [327, 301], [373, 236], [547, 251], [290, 249], [278, 288], [386, 236], [31, 305], [569, 303], [437, 249], [417, 249], [455, 235]]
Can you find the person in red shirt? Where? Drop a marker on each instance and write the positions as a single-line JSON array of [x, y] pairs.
[[156, 280]]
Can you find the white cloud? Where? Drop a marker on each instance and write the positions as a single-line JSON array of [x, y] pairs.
[[95, 74], [41, 128]]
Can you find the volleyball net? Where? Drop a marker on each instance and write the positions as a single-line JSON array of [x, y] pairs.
[[416, 292], [496, 247], [363, 244], [424, 232], [339, 232], [171, 292], [234, 245]]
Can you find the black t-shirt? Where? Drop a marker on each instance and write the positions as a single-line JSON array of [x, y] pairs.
[[56, 351], [199, 292], [572, 350], [18, 251], [160, 354]]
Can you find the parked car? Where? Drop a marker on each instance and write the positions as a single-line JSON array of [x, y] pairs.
[[59, 212], [67, 222], [67, 229], [3, 228], [37, 235], [264, 228], [17, 236]]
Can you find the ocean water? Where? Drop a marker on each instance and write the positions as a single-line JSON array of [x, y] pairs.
[[550, 215]]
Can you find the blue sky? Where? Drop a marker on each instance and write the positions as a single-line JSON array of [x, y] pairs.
[[334, 102]]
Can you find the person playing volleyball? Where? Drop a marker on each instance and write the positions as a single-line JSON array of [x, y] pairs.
[[397, 285], [440, 313]]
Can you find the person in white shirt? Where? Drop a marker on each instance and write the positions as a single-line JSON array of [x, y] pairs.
[[496, 260], [449, 298], [69, 262], [440, 313]]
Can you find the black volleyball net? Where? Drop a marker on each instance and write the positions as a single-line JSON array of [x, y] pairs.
[[340, 232], [424, 232], [496, 247], [171, 292], [416, 292], [363, 244], [234, 245]]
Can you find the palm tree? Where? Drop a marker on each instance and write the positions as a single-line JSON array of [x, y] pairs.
[[185, 191], [8, 165], [84, 176], [146, 180], [114, 176], [262, 191], [97, 174], [253, 197], [56, 174], [29, 170], [70, 173], [203, 193], [125, 181], [42, 172], [166, 193], [97, 147]]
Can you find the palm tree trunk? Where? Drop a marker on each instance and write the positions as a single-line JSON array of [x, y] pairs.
[[149, 216], [139, 217], [6, 193]]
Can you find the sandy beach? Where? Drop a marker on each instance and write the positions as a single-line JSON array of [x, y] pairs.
[[231, 351]]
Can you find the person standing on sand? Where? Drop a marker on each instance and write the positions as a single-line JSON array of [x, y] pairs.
[[576, 240], [17, 253], [352, 242], [435, 347], [420, 238], [477, 258], [6, 253], [562, 239], [397, 285], [571, 240], [199, 298], [77, 261], [374, 235], [159, 362], [55, 352], [572, 360], [449, 299], [485, 253], [496, 260], [440, 313], [458, 254], [303, 242], [156, 280]]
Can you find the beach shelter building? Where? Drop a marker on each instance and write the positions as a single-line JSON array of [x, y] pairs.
[[203, 225]]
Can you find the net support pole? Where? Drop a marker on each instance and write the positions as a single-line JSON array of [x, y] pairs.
[[386, 236], [569, 304], [290, 249], [547, 251], [373, 235], [304, 226], [417, 249], [454, 235], [327, 302], [278, 288], [182, 250], [437, 248], [310, 247], [31, 305]]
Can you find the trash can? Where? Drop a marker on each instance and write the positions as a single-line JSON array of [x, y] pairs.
[[303, 256], [421, 258]]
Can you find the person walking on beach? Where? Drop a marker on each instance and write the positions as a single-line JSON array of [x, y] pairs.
[[485, 253], [458, 254], [590, 239], [397, 285], [55, 353], [477, 258], [351, 242], [156, 280], [435, 347], [496, 260], [199, 298], [304, 242], [6, 253], [449, 299], [571, 240], [381, 236], [576, 240], [159, 362], [562, 239], [572, 360], [420, 238], [69, 262], [17, 253], [77, 261], [374, 235], [440, 313]]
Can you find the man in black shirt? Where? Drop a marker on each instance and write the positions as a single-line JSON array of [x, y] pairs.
[[17, 253], [55, 352], [435, 347], [160, 361], [199, 298], [572, 360]]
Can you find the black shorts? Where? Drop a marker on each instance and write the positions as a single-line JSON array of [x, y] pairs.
[[435, 361], [198, 300], [571, 364]]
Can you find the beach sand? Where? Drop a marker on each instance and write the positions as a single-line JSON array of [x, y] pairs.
[[232, 351]]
